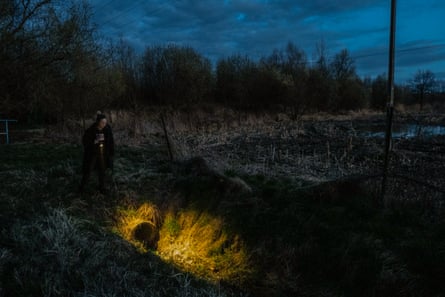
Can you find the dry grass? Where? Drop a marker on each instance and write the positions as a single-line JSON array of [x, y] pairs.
[[65, 256], [271, 235], [56, 243], [192, 240], [145, 217], [199, 243], [344, 116], [259, 226]]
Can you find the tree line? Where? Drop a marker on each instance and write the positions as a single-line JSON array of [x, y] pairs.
[[54, 65]]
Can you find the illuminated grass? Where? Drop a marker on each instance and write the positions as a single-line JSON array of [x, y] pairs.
[[200, 244], [193, 241], [140, 226]]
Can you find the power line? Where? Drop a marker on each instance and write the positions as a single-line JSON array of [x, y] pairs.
[[422, 47], [405, 50], [122, 12]]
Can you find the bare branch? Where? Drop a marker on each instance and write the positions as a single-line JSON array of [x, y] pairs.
[[27, 15]]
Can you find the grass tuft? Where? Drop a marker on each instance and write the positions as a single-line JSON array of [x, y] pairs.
[[140, 226], [200, 243]]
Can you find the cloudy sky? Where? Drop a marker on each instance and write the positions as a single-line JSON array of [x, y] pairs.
[[220, 28]]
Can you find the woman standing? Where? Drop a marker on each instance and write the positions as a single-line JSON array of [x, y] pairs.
[[98, 145]]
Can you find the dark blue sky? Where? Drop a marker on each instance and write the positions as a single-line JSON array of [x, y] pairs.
[[219, 28]]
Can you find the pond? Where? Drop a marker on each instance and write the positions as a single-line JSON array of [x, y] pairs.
[[406, 131]]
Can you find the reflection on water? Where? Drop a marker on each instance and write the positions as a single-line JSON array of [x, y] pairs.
[[407, 131]]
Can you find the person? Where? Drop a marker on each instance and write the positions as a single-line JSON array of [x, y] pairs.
[[98, 151]]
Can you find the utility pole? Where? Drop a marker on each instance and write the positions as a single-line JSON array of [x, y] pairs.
[[390, 102]]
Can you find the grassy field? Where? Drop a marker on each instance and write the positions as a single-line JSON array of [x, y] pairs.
[[186, 229]]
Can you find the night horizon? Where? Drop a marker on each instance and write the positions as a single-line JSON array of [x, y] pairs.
[[218, 29], [210, 149]]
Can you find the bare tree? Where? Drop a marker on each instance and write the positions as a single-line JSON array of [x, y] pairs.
[[176, 75], [423, 84], [128, 65], [234, 81], [41, 42], [320, 84], [291, 66], [342, 66], [322, 58], [379, 92], [349, 88]]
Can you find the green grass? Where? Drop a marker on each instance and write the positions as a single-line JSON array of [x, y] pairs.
[[55, 242], [172, 226], [297, 239], [316, 241]]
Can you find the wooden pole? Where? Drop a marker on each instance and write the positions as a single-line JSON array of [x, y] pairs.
[[164, 127], [390, 104], [7, 131]]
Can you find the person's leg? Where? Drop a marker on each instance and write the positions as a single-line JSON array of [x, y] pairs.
[[101, 174], [86, 172]]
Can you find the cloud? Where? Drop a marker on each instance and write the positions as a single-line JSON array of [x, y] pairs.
[[219, 28]]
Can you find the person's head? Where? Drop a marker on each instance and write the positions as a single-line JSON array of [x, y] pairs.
[[101, 121]]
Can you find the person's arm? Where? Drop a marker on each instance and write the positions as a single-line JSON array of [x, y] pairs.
[[88, 139]]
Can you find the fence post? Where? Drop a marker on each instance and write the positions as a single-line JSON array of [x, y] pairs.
[[6, 133]]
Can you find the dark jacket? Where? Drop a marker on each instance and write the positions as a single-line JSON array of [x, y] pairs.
[[90, 146]]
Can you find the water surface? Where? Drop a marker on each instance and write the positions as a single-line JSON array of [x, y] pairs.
[[407, 131]]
